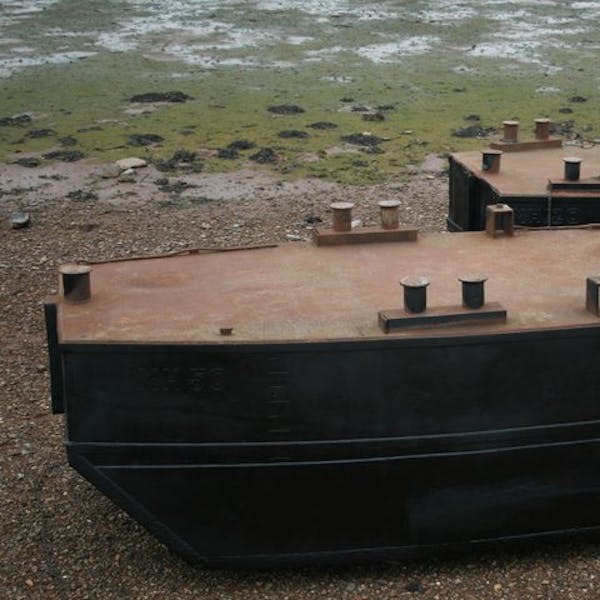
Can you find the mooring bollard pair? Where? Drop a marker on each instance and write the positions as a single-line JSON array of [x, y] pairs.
[[415, 292], [511, 130], [491, 158], [342, 215]]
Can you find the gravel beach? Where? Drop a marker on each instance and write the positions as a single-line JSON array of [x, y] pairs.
[[60, 538]]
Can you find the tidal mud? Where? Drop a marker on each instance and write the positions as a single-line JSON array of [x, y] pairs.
[[200, 74]]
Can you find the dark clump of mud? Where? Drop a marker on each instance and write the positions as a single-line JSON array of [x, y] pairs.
[[578, 99], [30, 162], [565, 110], [182, 160], [90, 128], [360, 109], [286, 109], [175, 187], [376, 116], [160, 97], [264, 156], [372, 150], [232, 151], [144, 139], [184, 156], [472, 118], [312, 219], [39, 133], [346, 99], [54, 177], [473, 131], [68, 140], [82, 196], [241, 145], [362, 139], [385, 107], [292, 133], [18, 121], [322, 125], [64, 155], [565, 129], [228, 153]]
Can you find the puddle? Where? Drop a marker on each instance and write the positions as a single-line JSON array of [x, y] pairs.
[[395, 51], [213, 34]]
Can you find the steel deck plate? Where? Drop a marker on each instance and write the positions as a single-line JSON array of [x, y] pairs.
[[527, 173], [304, 293]]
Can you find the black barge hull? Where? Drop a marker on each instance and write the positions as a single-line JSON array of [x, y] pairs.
[[291, 453]]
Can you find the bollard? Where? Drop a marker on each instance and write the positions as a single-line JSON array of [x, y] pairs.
[[542, 129], [75, 282], [473, 294], [415, 293], [490, 160], [572, 167], [342, 216], [511, 131], [389, 213]]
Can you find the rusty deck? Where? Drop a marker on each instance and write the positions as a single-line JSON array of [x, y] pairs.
[[528, 173], [299, 292]]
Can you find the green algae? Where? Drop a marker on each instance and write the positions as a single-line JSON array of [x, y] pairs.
[[432, 93]]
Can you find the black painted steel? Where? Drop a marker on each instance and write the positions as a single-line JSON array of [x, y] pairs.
[[572, 168], [295, 453], [469, 196], [473, 290], [56, 378], [415, 293]]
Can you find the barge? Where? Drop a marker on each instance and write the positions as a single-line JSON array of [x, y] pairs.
[[286, 405], [541, 180]]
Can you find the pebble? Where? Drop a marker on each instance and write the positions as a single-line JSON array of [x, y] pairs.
[[127, 176], [110, 171], [19, 219], [133, 162]]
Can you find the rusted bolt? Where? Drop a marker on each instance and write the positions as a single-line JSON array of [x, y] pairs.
[[542, 129], [473, 294], [342, 216], [490, 160], [511, 131], [225, 330], [572, 167], [415, 293], [388, 210], [75, 282]]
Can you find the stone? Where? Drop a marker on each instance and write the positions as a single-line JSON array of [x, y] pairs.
[[110, 171], [19, 219], [132, 162], [127, 176]]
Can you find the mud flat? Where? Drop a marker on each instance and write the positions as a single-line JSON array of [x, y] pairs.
[[201, 75]]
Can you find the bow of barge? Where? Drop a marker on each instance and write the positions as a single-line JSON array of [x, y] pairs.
[[281, 406]]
